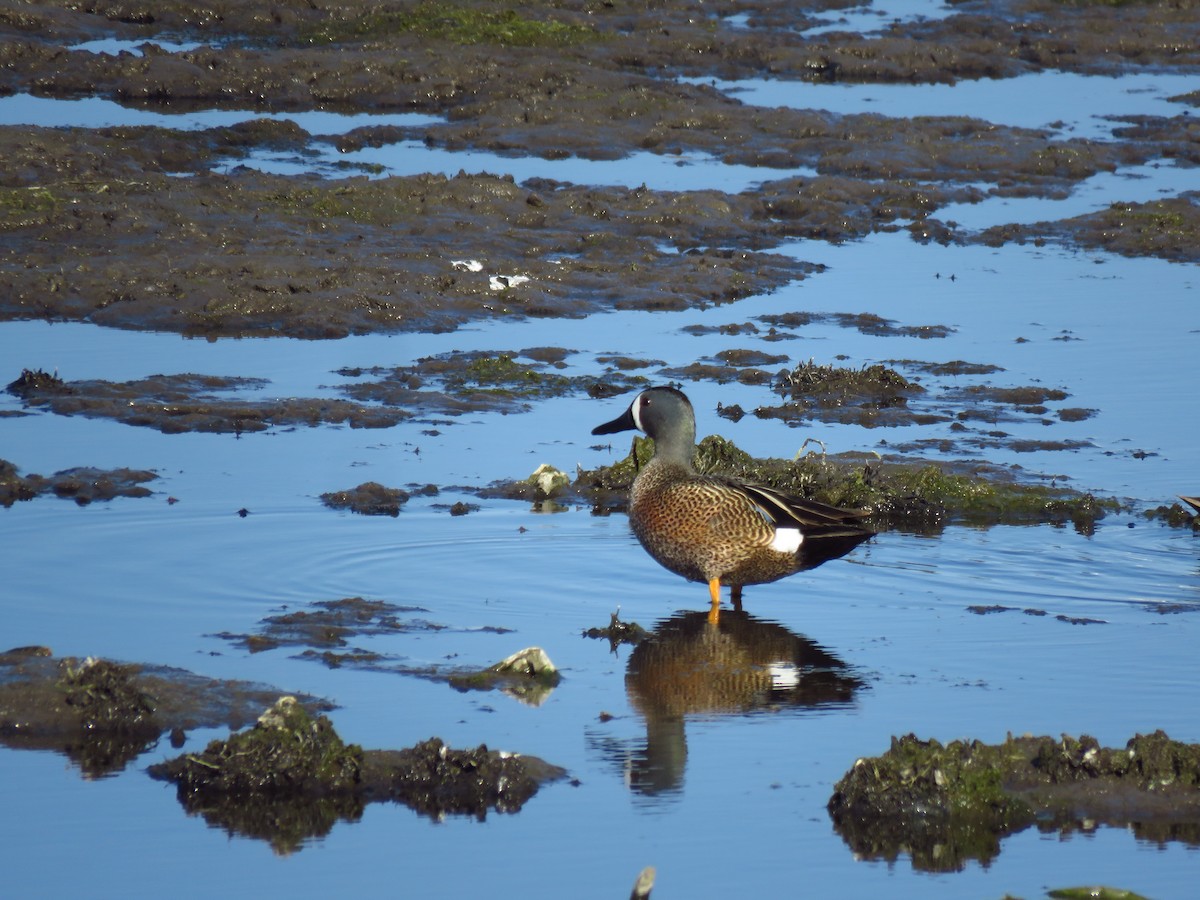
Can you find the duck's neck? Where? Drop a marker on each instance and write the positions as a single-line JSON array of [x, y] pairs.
[[677, 448]]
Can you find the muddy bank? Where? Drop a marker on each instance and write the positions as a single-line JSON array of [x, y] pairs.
[[292, 778], [102, 715], [149, 250], [474, 61], [192, 255], [83, 484], [947, 805]]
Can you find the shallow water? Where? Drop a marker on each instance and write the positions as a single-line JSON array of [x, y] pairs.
[[144, 580]]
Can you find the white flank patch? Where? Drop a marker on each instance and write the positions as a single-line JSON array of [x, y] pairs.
[[784, 675], [787, 540]]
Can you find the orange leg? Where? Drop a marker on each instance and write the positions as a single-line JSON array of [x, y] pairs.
[[735, 594], [714, 591]]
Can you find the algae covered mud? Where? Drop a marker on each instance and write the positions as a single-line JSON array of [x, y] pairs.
[[310, 310]]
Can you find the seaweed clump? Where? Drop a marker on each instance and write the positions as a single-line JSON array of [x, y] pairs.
[[288, 778], [291, 777], [1175, 516], [288, 752], [919, 496], [948, 804]]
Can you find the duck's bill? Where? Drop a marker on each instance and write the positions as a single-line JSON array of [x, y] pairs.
[[623, 422]]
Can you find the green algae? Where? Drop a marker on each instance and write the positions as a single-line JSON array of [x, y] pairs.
[[458, 25], [22, 207], [503, 373]]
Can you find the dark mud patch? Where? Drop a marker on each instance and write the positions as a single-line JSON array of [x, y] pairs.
[[1033, 611], [910, 495], [331, 632], [617, 632], [717, 372], [461, 382], [83, 484], [947, 805], [102, 715], [864, 323], [625, 363], [175, 404], [954, 368], [332, 624], [292, 778], [368, 499]]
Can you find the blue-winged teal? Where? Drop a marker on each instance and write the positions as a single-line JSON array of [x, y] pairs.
[[719, 530]]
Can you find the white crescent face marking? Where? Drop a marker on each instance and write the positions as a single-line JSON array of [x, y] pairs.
[[787, 540], [637, 413]]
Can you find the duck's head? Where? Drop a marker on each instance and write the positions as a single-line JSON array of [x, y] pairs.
[[663, 413]]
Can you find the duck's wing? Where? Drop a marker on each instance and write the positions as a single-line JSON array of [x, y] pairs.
[[811, 517], [1193, 502]]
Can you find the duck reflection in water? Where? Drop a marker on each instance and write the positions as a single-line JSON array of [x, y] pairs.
[[691, 666]]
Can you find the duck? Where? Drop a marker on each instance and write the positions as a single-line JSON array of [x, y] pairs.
[[715, 529]]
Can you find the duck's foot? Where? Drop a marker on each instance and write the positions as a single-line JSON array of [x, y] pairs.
[[735, 596], [714, 591]]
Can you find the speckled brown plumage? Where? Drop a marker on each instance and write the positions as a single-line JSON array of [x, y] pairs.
[[719, 530]]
